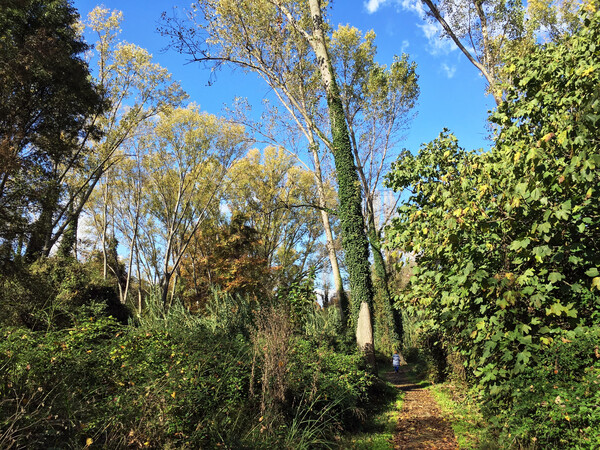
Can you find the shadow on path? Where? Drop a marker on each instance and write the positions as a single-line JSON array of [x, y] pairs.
[[421, 425]]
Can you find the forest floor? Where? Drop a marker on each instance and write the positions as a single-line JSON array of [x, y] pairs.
[[421, 424]]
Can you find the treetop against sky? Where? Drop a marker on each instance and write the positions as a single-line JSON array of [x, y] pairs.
[[452, 90]]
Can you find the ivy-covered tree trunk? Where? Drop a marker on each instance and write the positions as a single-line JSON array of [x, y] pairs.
[[354, 239], [385, 325]]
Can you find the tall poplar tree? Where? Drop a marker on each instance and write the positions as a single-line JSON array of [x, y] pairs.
[[378, 103], [137, 88], [256, 35], [354, 238], [252, 36]]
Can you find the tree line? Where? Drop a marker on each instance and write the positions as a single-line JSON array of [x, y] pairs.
[[141, 171]]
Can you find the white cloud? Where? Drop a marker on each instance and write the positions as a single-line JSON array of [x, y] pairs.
[[436, 45], [431, 30], [415, 6], [450, 71], [405, 45], [408, 5], [373, 5]]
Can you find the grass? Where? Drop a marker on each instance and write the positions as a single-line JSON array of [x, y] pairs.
[[382, 414], [459, 408]]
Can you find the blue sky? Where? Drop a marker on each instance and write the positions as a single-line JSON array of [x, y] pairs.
[[452, 91]]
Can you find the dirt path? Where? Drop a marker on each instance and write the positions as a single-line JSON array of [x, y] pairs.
[[421, 425]]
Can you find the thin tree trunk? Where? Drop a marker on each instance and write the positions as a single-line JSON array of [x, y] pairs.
[[481, 67], [104, 228], [329, 241], [139, 275], [164, 289], [130, 263], [175, 278]]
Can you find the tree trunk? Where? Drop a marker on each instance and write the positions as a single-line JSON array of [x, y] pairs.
[[69, 238], [164, 289], [41, 230], [481, 67], [139, 277], [340, 294], [386, 329], [354, 239], [104, 230], [364, 333], [133, 247]]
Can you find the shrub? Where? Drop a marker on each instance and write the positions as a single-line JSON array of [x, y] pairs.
[[170, 379], [122, 387], [320, 376], [324, 325], [49, 294], [555, 402], [173, 381], [271, 339], [306, 390]]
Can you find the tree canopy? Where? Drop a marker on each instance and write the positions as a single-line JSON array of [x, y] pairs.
[[46, 99], [490, 32]]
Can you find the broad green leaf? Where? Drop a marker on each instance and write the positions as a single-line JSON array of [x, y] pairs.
[[544, 227], [555, 309], [555, 276]]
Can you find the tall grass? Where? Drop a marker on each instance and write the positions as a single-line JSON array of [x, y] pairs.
[[157, 316], [308, 430]]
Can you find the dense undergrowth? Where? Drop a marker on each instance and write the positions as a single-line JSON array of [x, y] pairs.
[[240, 376]]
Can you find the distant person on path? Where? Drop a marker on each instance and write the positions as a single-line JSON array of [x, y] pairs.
[[396, 361]]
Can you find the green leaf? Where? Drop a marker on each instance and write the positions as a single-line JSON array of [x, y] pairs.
[[502, 303], [544, 227], [562, 214], [556, 309], [555, 276], [523, 357], [519, 244], [593, 272]]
